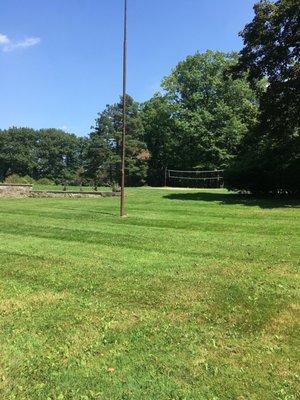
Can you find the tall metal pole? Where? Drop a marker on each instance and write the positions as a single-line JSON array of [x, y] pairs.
[[122, 203]]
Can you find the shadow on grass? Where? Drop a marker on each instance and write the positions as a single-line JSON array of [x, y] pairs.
[[236, 198]]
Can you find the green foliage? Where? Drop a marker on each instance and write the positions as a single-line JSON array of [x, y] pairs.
[[104, 147], [80, 178], [194, 296], [44, 181], [58, 155], [202, 117], [115, 187], [18, 152], [273, 169], [269, 158], [160, 128], [15, 178], [44, 153]]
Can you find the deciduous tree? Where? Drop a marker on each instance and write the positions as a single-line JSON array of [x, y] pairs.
[[103, 155], [269, 160]]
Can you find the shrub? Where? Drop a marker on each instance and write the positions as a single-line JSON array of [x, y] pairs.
[[274, 171], [45, 181], [115, 187], [15, 178]]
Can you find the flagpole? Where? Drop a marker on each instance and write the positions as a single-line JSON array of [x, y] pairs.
[[123, 151]]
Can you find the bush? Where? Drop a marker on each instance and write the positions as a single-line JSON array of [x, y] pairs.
[[44, 181], [115, 187], [15, 178], [267, 171]]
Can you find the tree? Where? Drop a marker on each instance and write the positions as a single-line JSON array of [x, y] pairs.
[[160, 137], [18, 153], [269, 159], [201, 118], [103, 154], [58, 153], [44, 153], [99, 161]]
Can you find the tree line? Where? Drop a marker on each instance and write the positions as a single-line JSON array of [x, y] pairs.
[[234, 111]]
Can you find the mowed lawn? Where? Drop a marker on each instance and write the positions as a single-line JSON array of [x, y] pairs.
[[195, 295]]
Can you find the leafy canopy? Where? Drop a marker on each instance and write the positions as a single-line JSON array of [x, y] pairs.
[[269, 159], [202, 116], [104, 148]]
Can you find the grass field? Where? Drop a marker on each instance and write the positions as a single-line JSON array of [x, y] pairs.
[[195, 295]]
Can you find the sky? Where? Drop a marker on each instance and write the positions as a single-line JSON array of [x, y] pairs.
[[61, 60]]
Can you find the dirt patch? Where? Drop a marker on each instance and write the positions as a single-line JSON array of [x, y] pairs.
[[284, 321], [10, 305]]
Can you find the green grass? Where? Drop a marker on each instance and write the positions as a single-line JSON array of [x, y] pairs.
[[195, 295]]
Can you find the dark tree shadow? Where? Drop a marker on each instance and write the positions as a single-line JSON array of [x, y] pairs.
[[236, 198]]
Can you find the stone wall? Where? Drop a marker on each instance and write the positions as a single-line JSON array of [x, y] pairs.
[[14, 190], [67, 194]]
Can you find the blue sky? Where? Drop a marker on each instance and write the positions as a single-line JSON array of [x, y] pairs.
[[60, 60]]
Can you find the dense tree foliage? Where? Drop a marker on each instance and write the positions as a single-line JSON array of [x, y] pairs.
[[104, 147], [269, 159], [200, 120], [44, 153], [160, 136], [18, 151]]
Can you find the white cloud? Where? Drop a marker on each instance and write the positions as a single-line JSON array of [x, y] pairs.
[[3, 39], [64, 128], [6, 44]]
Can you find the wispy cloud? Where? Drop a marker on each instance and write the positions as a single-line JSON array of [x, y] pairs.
[[7, 45], [3, 39], [64, 128]]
